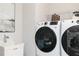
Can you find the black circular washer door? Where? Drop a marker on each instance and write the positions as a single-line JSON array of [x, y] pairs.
[[70, 41], [45, 39]]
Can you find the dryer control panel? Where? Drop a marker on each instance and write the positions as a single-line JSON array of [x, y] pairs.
[[50, 23]]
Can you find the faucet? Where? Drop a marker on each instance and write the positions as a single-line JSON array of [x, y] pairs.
[[5, 38]]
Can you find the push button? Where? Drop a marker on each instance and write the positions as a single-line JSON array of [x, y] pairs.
[[77, 21], [45, 23]]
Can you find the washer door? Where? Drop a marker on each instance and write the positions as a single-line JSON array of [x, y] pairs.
[[45, 39], [70, 41]]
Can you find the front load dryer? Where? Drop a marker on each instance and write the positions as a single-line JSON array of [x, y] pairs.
[[70, 37], [47, 38]]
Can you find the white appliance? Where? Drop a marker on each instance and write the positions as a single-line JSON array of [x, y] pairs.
[[70, 37], [47, 36]]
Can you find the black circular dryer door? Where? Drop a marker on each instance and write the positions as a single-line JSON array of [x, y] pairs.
[[70, 41], [45, 39]]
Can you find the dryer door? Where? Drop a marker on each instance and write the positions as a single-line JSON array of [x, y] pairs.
[[70, 41], [45, 39]]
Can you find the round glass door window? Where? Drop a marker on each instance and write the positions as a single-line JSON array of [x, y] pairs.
[[70, 41], [45, 39]]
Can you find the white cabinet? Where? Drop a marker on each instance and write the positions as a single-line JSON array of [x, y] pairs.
[[16, 50], [6, 11], [12, 50]]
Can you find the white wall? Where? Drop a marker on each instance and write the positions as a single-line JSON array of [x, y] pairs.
[[64, 9], [44, 11], [19, 23], [28, 30]]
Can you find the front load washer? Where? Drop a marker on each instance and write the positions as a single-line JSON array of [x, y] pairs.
[[47, 38], [70, 37]]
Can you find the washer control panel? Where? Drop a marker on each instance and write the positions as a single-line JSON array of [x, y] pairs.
[[53, 23]]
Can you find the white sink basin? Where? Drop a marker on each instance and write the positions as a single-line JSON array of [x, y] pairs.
[[3, 44], [9, 46]]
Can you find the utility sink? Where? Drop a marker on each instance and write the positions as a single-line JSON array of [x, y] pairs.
[[8, 47], [3, 44]]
